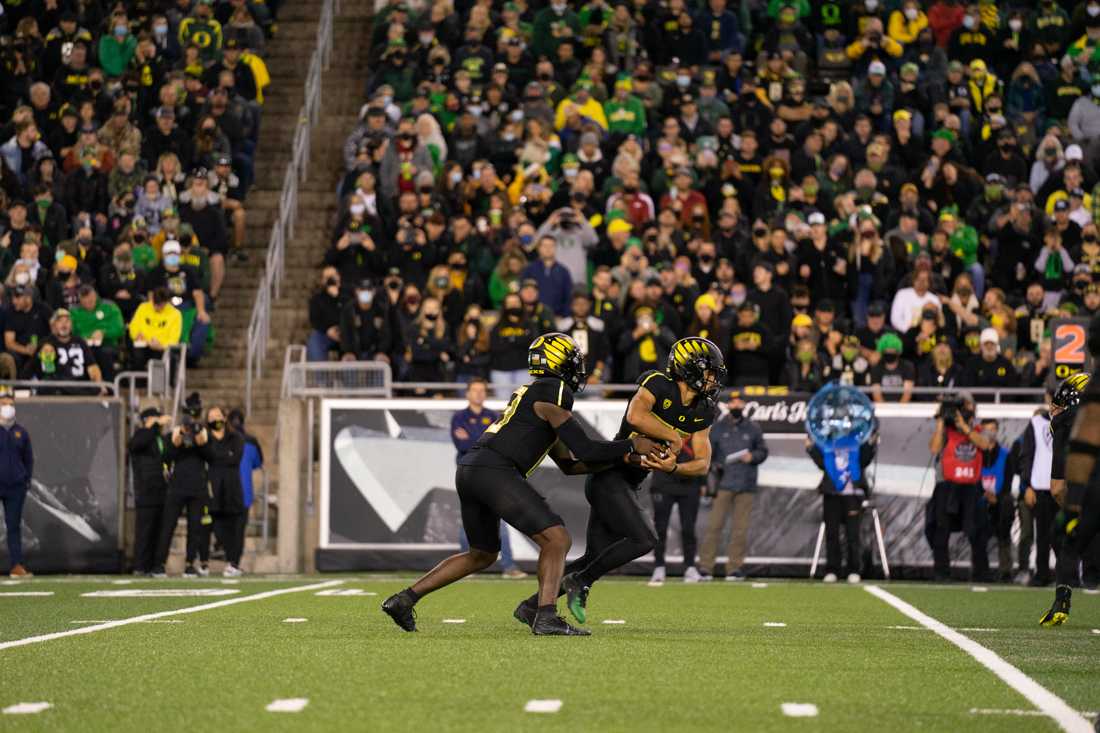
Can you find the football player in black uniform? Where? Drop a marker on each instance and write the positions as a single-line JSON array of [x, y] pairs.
[[492, 484], [1067, 523], [671, 406]]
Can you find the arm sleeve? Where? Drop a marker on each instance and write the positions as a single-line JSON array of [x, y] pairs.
[[588, 450], [759, 448], [1027, 455]]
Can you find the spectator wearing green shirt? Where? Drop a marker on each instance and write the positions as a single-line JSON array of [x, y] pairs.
[[117, 47], [625, 113], [553, 25], [99, 322], [963, 241]]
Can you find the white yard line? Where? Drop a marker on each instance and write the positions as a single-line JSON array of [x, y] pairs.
[[1039, 696], [287, 705], [1022, 713], [799, 709], [162, 614], [26, 708], [25, 593]]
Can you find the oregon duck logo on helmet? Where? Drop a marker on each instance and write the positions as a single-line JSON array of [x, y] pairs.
[[690, 360], [1068, 394], [557, 354]]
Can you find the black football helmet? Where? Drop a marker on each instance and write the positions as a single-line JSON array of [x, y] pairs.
[[557, 354], [1068, 394], [690, 360]]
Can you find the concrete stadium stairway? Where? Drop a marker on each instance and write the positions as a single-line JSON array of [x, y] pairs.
[[220, 377]]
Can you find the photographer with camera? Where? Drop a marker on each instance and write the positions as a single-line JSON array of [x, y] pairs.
[[149, 457], [187, 490], [958, 446]]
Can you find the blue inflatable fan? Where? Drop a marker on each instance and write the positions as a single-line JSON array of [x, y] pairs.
[[839, 416]]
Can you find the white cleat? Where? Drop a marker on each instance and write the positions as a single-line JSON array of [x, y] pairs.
[[829, 578], [232, 571], [854, 578], [691, 575], [658, 577]]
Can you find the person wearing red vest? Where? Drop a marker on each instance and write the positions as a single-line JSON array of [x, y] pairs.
[[957, 444]]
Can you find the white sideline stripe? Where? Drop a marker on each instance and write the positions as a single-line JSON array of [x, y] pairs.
[[759, 585], [799, 709], [614, 620], [655, 583], [26, 708], [295, 620], [161, 593], [980, 589], [774, 624], [542, 706], [1028, 713], [1042, 698], [164, 614], [24, 593], [287, 705], [454, 620]]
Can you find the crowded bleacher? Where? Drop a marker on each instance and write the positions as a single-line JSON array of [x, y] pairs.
[[892, 194], [128, 141]]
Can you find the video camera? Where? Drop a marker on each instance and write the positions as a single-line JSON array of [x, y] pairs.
[[950, 407], [191, 425]]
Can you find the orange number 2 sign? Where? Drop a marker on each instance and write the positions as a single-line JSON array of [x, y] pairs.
[[1069, 339]]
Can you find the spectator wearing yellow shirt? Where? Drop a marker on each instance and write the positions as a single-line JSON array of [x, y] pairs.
[[580, 102], [907, 22], [155, 327]]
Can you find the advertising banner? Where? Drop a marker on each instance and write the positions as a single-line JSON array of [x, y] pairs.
[[388, 499], [71, 515]]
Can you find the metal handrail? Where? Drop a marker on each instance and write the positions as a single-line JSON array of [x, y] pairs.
[[36, 384], [268, 290], [996, 392]]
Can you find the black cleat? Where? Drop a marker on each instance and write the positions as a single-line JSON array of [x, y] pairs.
[[576, 597], [1059, 611], [400, 608], [525, 613], [550, 624]]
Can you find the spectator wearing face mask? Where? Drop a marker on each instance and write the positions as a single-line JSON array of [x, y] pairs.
[[365, 333], [804, 373], [748, 353], [508, 344], [156, 325], [324, 317], [183, 284], [893, 378]]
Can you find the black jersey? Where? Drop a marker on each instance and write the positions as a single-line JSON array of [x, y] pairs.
[[520, 438], [669, 409]]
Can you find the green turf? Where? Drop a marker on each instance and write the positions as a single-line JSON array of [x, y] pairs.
[[688, 658]]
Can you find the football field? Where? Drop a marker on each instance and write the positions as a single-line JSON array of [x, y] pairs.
[[315, 653]]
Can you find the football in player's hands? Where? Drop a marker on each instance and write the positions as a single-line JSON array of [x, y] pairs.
[[644, 445]]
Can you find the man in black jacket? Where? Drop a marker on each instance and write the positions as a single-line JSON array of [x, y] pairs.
[[148, 452], [187, 490]]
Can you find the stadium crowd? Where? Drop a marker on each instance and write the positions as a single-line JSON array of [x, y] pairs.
[[127, 142], [890, 193]]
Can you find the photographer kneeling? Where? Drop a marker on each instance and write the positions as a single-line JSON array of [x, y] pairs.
[[957, 445], [187, 489]]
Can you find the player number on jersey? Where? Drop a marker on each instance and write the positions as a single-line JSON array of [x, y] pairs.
[[508, 411]]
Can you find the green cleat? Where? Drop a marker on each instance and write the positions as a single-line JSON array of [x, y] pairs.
[[1059, 610], [576, 594]]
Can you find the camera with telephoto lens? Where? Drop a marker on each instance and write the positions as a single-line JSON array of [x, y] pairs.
[[950, 407], [191, 424]]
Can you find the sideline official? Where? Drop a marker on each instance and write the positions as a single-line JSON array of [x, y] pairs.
[[16, 469], [148, 456]]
